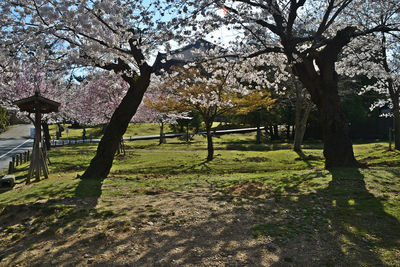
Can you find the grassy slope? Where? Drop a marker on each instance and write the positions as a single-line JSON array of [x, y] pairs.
[[355, 221]]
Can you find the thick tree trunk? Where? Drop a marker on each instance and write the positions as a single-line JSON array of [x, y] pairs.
[[338, 149], [317, 73], [210, 145], [101, 164]]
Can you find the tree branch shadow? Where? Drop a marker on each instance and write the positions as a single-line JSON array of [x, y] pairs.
[[48, 218], [342, 224]]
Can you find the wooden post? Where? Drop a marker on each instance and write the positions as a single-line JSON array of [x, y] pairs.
[[29, 155], [38, 163], [20, 158], [11, 167], [37, 104], [390, 138]]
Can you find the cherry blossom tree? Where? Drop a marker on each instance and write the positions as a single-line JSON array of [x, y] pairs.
[[377, 59], [96, 98], [376, 56], [160, 107], [212, 88], [112, 35], [312, 35], [24, 80]]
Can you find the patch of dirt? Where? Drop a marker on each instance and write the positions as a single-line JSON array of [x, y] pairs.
[[153, 190], [257, 159], [247, 189], [367, 159], [309, 157], [199, 227], [173, 229]]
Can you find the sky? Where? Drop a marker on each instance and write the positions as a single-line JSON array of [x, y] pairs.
[[222, 37]]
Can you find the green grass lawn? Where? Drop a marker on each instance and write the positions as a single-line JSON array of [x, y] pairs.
[[134, 129], [290, 210]]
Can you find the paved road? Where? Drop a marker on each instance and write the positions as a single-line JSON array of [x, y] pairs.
[[14, 141]]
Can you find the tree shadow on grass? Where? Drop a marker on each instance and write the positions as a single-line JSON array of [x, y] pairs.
[[255, 147], [30, 225], [170, 239], [347, 224], [364, 221], [341, 224], [303, 157]]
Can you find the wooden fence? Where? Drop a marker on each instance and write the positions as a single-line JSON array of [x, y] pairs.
[[17, 160]]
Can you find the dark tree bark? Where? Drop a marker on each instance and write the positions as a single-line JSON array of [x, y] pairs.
[[162, 139], [275, 132], [258, 136], [303, 109], [301, 126], [210, 145], [46, 135], [322, 84], [101, 164]]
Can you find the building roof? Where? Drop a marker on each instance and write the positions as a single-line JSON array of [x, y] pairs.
[[186, 54], [36, 103]]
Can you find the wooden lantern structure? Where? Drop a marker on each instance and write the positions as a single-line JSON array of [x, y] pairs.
[[38, 105]]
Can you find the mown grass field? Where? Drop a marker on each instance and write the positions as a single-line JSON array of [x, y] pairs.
[[134, 129], [253, 205]]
